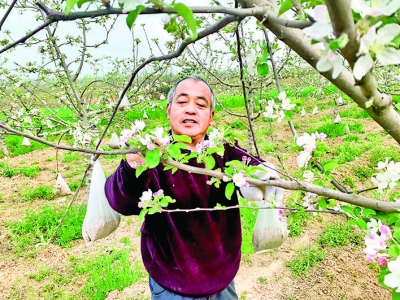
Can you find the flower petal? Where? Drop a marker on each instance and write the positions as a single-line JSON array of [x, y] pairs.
[[391, 8], [337, 67], [324, 64], [321, 14], [362, 66], [391, 280], [389, 56], [361, 7], [387, 33], [318, 30]]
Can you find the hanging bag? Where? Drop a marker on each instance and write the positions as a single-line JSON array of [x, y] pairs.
[[270, 231], [100, 219]]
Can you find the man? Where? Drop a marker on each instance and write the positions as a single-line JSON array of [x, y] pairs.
[[193, 255]]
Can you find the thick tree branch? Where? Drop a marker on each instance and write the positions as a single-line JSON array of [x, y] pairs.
[[288, 185], [343, 23], [389, 119], [302, 186], [7, 13]]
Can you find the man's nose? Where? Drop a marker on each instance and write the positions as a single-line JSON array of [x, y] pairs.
[[190, 108]]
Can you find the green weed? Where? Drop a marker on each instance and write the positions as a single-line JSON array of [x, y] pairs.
[[238, 124], [348, 151], [106, 272], [14, 145], [262, 280], [305, 259], [339, 234], [248, 217], [39, 225], [40, 275], [45, 192], [363, 173], [351, 138], [28, 171], [354, 113], [72, 156], [296, 222], [380, 153]]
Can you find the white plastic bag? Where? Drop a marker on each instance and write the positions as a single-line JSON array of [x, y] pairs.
[[114, 141], [61, 187], [269, 231], [100, 219], [124, 103], [26, 142]]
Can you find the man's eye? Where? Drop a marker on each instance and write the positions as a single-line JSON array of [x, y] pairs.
[[201, 105]]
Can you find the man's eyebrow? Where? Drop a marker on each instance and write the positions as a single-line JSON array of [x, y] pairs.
[[187, 95]]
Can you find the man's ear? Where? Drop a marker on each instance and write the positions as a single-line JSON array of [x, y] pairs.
[[212, 116], [168, 110]]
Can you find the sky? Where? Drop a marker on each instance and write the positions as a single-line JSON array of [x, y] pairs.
[[119, 41]]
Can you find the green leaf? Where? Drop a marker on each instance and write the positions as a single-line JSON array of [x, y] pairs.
[[175, 151], [263, 69], [80, 2], [164, 202], [153, 210], [319, 182], [396, 235], [188, 16], [368, 212], [288, 4], [182, 138], [322, 204], [395, 296], [288, 115], [142, 214], [230, 188], [139, 170], [69, 6], [352, 222], [347, 209], [361, 223], [210, 162], [331, 165], [357, 210], [131, 18], [153, 158], [394, 250]]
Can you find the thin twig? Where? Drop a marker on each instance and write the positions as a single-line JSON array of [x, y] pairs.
[[244, 90]]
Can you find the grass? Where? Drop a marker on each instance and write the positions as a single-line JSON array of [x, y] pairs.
[[111, 270], [380, 153], [296, 222], [44, 192], [14, 146], [339, 234], [39, 225], [305, 259], [248, 217], [28, 171]]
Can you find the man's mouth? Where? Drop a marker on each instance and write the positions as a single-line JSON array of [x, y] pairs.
[[188, 121]]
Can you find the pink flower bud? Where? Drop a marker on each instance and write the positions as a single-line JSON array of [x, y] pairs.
[[384, 229], [225, 178], [150, 147], [382, 261]]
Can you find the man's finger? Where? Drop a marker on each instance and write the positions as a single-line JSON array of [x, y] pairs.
[[279, 195]]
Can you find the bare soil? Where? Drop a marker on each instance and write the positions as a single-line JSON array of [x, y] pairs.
[[344, 274]]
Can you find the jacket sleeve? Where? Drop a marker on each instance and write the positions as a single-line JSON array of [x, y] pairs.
[[123, 189]]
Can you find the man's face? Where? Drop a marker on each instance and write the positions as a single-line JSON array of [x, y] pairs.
[[190, 111]]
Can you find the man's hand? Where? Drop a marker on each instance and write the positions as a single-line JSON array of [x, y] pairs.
[[259, 193], [134, 160]]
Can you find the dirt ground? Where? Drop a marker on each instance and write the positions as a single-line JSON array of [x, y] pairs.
[[344, 274]]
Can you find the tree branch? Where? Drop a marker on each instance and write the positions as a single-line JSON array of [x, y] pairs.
[[389, 119], [343, 22]]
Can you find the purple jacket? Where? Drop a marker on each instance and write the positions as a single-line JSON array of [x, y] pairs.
[[194, 254]]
